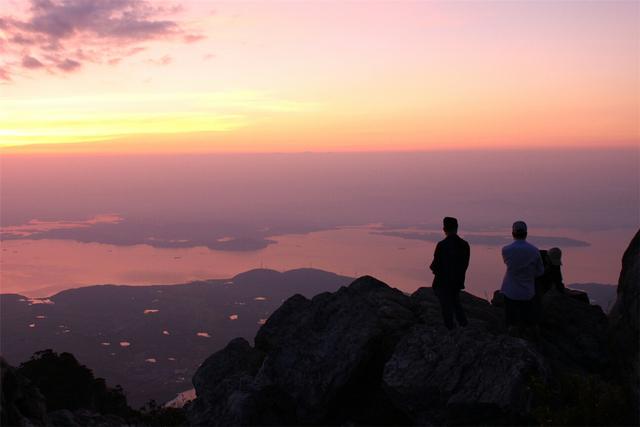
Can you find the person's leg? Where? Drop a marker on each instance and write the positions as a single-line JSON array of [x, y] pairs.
[[510, 312], [459, 311], [536, 308], [446, 305], [530, 320]]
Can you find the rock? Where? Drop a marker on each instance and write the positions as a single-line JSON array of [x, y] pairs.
[[335, 359], [479, 312], [222, 383], [327, 354], [573, 333], [87, 418], [466, 377], [370, 354], [21, 403], [63, 418], [498, 299], [625, 320], [577, 295]]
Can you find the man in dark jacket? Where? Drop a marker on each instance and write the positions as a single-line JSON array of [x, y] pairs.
[[450, 262]]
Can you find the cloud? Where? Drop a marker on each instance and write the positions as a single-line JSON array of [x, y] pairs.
[[5, 75], [31, 62], [165, 60], [192, 38], [69, 65], [64, 34]]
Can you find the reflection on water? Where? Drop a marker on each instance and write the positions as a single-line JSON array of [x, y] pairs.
[[40, 268]]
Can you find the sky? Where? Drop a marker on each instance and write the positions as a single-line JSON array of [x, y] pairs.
[[131, 76]]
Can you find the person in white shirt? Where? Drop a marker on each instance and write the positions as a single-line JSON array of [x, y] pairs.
[[524, 264]]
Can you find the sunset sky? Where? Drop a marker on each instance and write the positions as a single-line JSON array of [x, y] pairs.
[[193, 76]]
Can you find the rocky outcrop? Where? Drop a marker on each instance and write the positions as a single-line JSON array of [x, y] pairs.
[[370, 354], [573, 334], [625, 320], [466, 377], [226, 379]]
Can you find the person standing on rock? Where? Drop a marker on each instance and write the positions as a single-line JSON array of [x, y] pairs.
[[450, 262], [524, 264]]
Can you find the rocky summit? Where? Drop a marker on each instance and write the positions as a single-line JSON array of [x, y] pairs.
[[371, 354]]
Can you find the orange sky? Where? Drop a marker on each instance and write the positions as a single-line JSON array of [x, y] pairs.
[[129, 76]]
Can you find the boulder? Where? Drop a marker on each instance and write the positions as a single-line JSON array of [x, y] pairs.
[[479, 311], [465, 377], [573, 334], [625, 320], [223, 383], [341, 358], [327, 354]]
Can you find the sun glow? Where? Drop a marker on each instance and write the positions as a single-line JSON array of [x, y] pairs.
[[85, 119]]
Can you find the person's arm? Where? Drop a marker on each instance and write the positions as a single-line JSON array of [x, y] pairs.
[[435, 264], [539, 265], [558, 280], [466, 256]]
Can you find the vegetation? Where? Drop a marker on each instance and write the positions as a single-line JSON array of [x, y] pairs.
[[66, 384], [581, 400], [151, 414]]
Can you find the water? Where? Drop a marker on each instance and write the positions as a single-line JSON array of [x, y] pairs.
[[39, 268]]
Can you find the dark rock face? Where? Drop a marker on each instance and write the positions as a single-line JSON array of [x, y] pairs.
[[21, 404], [369, 354], [574, 333], [322, 352], [468, 376], [625, 319], [225, 379], [348, 356]]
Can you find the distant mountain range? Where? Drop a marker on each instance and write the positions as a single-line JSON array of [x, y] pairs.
[[151, 339], [600, 294]]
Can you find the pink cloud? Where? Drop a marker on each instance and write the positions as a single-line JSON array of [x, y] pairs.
[[69, 65], [64, 34], [5, 75], [31, 62], [165, 60], [192, 38]]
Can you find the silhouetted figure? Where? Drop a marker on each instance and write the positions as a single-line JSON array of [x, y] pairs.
[[524, 264], [552, 277], [450, 262], [554, 271]]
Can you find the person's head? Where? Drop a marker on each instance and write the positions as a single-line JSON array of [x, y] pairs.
[[450, 225], [519, 230], [555, 256]]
